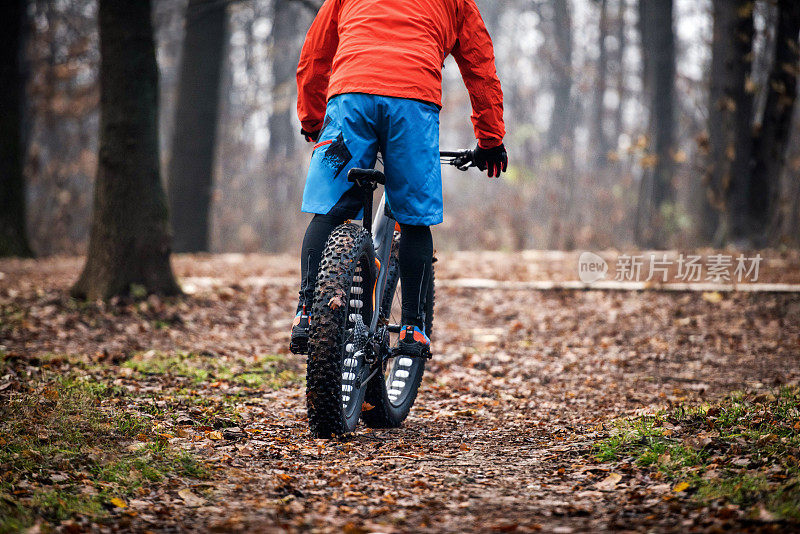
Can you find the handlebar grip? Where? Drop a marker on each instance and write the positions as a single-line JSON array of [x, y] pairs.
[[369, 175]]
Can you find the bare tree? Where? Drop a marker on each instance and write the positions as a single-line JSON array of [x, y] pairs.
[[773, 135], [290, 19], [729, 121], [560, 139], [622, 6], [657, 191], [194, 136], [562, 72], [286, 42], [129, 242], [600, 144], [13, 240]]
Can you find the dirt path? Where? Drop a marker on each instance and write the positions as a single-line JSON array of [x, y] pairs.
[[522, 386]]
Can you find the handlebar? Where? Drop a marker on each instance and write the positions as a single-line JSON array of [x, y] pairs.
[[460, 159]]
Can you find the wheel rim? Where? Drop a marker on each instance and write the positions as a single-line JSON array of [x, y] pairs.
[[355, 339]]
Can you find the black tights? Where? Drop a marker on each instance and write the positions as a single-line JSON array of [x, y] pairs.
[[317, 234], [416, 254]]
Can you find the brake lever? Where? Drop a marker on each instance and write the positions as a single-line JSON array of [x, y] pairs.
[[463, 161], [462, 164]]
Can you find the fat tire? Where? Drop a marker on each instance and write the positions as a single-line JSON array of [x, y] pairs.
[[346, 246], [383, 413]]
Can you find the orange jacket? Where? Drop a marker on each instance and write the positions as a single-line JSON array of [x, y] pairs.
[[397, 48]]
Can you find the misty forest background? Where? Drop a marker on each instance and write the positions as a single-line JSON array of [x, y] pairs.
[[624, 130]]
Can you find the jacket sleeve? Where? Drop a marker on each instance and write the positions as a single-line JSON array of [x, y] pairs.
[[474, 55], [314, 68]]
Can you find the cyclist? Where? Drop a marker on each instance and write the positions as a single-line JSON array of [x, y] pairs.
[[369, 80]]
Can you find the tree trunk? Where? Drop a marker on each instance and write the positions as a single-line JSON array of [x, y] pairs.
[[290, 19], [787, 232], [620, 58], [657, 191], [764, 54], [560, 140], [13, 241], [645, 43], [562, 72], [287, 40], [600, 143], [729, 123], [129, 244], [772, 140], [191, 164]]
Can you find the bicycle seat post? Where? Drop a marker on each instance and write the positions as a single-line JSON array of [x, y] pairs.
[[367, 191], [367, 180]]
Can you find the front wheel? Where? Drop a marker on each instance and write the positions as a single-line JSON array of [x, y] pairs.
[[392, 394], [341, 313]]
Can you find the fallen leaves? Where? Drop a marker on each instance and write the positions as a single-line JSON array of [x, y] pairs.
[[117, 502], [609, 483], [680, 486], [713, 297], [521, 385], [190, 499]]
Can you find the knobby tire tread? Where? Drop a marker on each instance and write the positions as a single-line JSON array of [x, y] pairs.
[[346, 244]]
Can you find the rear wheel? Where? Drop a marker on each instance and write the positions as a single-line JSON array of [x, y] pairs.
[[392, 396], [341, 314]]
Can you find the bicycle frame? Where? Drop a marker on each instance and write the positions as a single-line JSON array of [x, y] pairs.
[[383, 234], [382, 237], [384, 223]]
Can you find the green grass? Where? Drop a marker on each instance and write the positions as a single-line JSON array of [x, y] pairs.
[[64, 453], [265, 372], [742, 450]]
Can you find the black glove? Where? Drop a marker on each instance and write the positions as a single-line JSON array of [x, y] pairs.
[[493, 159], [311, 137]]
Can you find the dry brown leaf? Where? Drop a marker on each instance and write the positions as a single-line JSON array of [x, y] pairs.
[[609, 482], [190, 498], [352, 528]]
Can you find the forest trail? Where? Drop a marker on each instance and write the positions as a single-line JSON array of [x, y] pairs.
[[523, 389]]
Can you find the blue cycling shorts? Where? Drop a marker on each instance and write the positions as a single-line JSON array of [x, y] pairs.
[[356, 127]]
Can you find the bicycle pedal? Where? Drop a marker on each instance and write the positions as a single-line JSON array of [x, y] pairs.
[[299, 347]]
